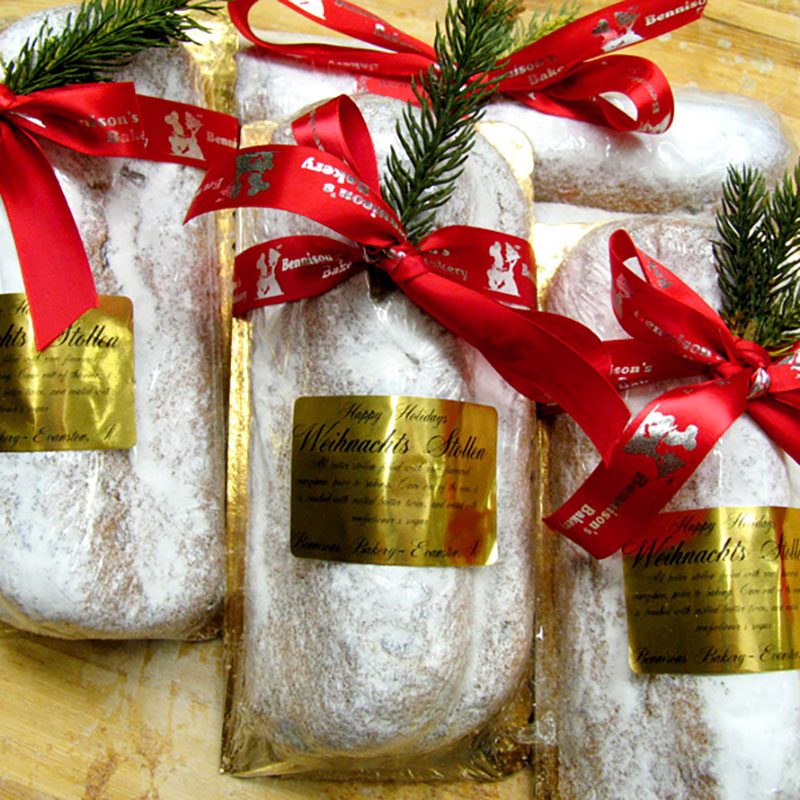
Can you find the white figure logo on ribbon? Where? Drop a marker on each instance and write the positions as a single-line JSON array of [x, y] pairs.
[[268, 285], [183, 139], [620, 33], [655, 437], [793, 360], [658, 127], [314, 7], [239, 295], [622, 292], [501, 274]]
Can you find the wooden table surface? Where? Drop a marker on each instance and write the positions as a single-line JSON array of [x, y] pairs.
[[142, 720]]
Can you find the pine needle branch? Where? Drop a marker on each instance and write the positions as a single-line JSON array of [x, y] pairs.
[[758, 258], [436, 142], [737, 253], [543, 23], [98, 38]]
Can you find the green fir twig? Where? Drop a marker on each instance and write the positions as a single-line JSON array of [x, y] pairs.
[[758, 258], [437, 141], [542, 23], [98, 38]]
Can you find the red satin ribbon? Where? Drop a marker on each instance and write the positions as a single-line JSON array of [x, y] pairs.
[[668, 439], [105, 119], [331, 176], [567, 73]]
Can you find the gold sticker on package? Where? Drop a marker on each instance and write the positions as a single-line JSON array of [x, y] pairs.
[[716, 591], [76, 394], [394, 480]]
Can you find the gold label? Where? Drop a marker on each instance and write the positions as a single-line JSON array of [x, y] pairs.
[[716, 592], [394, 480], [77, 394]]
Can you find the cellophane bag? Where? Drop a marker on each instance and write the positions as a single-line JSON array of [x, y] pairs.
[[634, 717], [129, 543], [372, 670]]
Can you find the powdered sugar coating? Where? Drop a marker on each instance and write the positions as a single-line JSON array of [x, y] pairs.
[[129, 544], [628, 735], [351, 664], [681, 169], [276, 89]]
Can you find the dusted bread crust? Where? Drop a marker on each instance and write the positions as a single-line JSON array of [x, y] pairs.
[[129, 544], [678, 736], [680, 170], [350, 666]]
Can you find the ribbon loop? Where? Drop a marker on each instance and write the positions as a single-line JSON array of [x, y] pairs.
[[567, 73], [100, 119]]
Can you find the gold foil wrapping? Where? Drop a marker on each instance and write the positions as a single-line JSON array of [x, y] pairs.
[[78, 393], [214, 54], [394, 480], [716, 591]]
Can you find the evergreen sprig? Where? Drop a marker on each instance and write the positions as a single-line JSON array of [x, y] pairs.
[[98, 38], [436, 141], [758, 258], [543, 23]]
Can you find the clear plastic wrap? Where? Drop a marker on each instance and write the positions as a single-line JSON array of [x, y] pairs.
[[622, 734], [129, 543], [276, 89], [681, 169], [372, 671], [579, 163]]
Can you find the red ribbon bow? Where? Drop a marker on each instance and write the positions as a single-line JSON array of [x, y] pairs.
[[102, 119], [553, 75], [331, 176], [669, 438]]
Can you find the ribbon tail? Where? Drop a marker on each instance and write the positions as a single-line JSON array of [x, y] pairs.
[[779, 422], [56, 272], [660, 450], [534, 360], [635, 362]]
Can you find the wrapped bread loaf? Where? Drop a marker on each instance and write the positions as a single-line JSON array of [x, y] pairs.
[[681, 169], [129, 543], [622, 734], [367, 669]]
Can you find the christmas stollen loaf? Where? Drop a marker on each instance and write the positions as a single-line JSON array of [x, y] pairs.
[[677, 170], [368, 669], [622, 734], [680, 169], [129, 543]]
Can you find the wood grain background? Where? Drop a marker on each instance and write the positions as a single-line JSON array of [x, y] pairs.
[[97, 720]]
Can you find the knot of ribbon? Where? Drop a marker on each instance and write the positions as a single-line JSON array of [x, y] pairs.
[[572, 72], [100, 119], [665, 443], [403, 262], [756, 360], [751, 353], [477, 283]]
